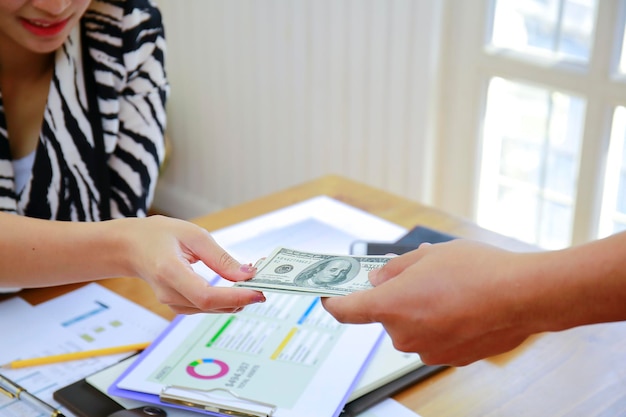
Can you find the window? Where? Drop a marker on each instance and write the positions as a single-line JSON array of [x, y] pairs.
[[613, 218], [547, 79], [531, 147], [546, 28]]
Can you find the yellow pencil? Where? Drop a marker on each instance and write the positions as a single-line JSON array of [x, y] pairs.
[[45, 360]]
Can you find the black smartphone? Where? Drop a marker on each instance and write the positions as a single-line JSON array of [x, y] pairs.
[[421, 234], [407, 243], [378, 248]]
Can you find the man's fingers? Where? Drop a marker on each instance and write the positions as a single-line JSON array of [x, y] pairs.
[[351, 308], [396, 265]]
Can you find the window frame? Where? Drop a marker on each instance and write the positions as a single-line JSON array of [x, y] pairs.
[[466, 69]]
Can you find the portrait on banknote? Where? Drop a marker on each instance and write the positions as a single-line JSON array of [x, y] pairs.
[[329, 272]]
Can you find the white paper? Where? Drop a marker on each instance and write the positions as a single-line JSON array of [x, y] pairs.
[[388, 408], [320, 224], [73, 322], [103, 318]]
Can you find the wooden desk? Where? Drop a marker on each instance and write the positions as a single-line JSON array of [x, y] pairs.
[[580, 372]]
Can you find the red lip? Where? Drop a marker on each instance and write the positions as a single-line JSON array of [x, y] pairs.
[[44, 28]]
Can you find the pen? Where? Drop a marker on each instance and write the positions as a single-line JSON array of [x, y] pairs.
[[84, 354], [13, 390]]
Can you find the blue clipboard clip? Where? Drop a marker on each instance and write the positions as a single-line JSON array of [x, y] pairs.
[[217, 400]]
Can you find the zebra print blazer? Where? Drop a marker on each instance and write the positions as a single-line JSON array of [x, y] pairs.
[[95, 163]]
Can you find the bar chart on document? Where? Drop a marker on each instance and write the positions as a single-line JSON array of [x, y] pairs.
[[259, 344], [249, 334]]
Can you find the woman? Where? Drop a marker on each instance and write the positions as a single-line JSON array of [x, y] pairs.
[[82, 90], [82, 116]]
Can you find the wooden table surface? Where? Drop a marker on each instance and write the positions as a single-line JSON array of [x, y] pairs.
[[579, 372]]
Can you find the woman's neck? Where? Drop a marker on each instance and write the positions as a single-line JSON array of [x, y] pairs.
[[19, 63], [24, 83]]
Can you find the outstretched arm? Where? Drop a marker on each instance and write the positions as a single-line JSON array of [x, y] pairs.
[[158, 249], [461, 301]]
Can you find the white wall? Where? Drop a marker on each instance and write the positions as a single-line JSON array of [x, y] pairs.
[[267, 94]]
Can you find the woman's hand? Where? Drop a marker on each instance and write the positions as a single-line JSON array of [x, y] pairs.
[[161, 251]]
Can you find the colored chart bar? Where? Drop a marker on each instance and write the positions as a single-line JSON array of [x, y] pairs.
[[284, 343], [308, 310], [101, 307], [221, 330]]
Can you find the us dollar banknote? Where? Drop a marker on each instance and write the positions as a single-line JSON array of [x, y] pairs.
[[298, 272]]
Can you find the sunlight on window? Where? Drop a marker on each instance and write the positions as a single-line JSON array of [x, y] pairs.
[[551, 29], [622, 59], [529, 168], [613, 215]]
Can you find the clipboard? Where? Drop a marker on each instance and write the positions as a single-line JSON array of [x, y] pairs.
[[85, 398], [215, 400], [299, 377]]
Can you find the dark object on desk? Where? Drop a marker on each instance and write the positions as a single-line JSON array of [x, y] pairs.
[[84, 400], [146, 411], [378, 248], [421, 234], [407, 243], [359, 405]]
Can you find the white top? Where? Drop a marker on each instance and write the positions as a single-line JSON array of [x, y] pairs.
[[22, 169]]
